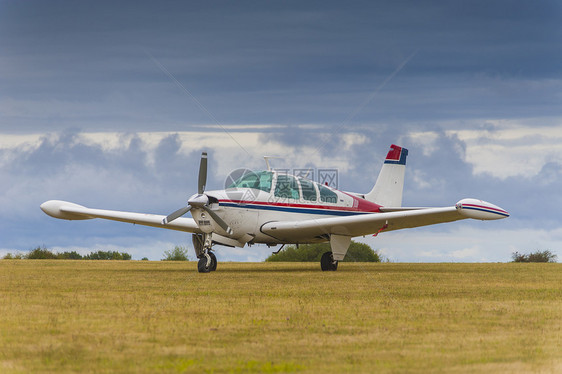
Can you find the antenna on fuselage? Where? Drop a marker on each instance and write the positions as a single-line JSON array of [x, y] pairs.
[[266, 158]]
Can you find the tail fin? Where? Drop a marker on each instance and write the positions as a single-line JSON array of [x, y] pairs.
[[390, 183]]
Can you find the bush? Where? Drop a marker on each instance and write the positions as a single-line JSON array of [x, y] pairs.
[[538, 256], [107, 255], [69, 256], [40, 254], [176, 254], [144, 259], [9, 256], [357, 252]]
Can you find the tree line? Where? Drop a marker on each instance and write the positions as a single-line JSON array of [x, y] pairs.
[[42, 253], [357, 252]]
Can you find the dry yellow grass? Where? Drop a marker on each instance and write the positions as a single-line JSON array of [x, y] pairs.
[[146, 317]]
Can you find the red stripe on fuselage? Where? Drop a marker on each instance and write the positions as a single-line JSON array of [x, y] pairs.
[[363, 205]]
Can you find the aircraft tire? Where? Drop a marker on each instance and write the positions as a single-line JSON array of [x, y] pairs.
[[213, 266], [202, 265], [327, 262]]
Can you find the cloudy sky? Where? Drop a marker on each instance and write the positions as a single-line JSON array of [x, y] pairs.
[[109, 104]]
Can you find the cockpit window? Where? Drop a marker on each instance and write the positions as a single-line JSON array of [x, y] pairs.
[[286, 187], [308, 190], [260, 180], [327, 195]]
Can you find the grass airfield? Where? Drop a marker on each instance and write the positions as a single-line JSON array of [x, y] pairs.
[[151, 317]]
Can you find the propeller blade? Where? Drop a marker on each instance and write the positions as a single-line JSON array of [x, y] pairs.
[[202, 173], [219, 220], [177, 214]]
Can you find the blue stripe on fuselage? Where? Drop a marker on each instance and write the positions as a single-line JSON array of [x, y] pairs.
[[294, 209]]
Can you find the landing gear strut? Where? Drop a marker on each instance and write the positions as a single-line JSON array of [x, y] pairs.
[[207, 259], [327, 262]]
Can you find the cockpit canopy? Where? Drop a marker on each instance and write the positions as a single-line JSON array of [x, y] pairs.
[[285, 186]]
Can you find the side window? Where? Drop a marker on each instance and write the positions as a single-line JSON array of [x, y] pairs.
[[265, 181], [308, 190], [286, 187], [327, 195]]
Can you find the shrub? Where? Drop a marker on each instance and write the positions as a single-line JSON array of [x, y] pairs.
[[176, 254], [69, 256], [537, 256], [144, 259], [9, 256], [40, 254], [107, 255], [357, 252]]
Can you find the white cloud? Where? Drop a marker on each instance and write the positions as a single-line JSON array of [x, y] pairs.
[[501, 148], [229, 151], [512, 148]]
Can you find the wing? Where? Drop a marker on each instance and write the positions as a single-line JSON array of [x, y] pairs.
[[71, 211], [370, 223]]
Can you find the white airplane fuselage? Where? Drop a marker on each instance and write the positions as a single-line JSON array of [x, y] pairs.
[[247, 210]]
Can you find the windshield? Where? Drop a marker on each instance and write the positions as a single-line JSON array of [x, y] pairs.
[[260, 180]]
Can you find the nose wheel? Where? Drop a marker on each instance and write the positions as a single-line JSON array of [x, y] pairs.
[[207, 263], [207, 259]]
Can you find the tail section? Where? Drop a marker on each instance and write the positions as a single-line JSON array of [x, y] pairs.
[[390, 183]]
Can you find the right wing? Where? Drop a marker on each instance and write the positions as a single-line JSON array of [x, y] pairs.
[[70, 211], [371, 223]]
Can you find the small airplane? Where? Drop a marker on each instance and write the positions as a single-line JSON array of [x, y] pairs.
[[273, 207]]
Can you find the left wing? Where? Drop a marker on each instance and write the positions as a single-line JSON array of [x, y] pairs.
[[70, 211], [370, 223]]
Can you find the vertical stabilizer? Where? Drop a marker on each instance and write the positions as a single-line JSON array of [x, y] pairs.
[[390, 183]]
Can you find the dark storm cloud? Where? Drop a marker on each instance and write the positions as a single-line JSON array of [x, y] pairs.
[[290, 62]]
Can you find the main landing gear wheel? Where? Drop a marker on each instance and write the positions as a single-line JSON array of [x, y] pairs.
[[327, 262], [203, 266], [207, 263], [213, 261]]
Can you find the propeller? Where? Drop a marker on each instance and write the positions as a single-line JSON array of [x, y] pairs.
[[200, 200]]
